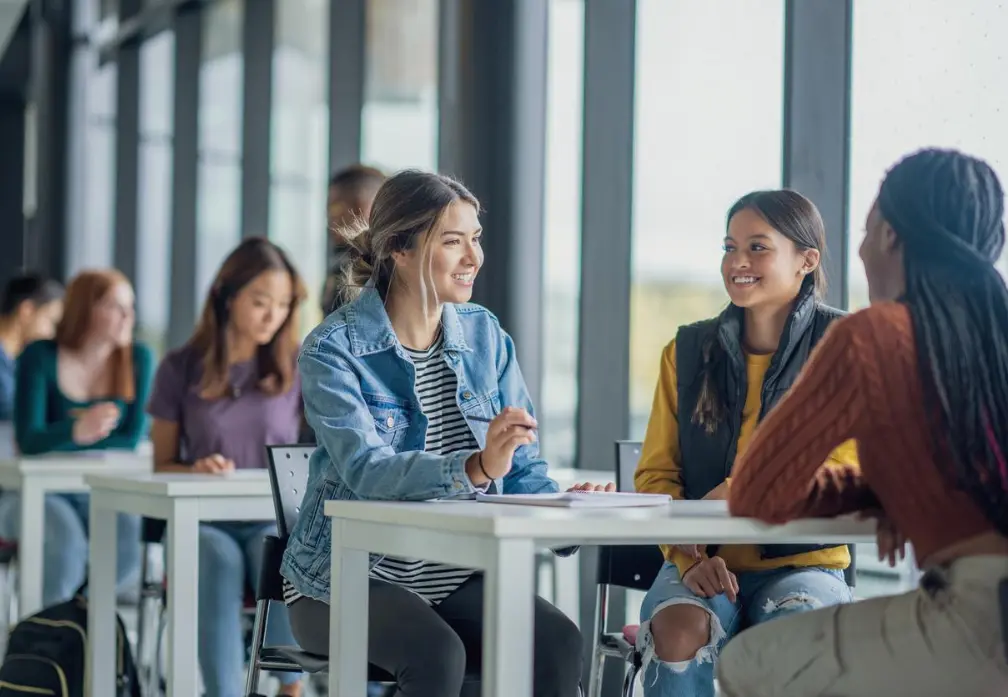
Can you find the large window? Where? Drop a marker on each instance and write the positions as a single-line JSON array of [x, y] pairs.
[[218, 209], [709, 98], [561, 267], [925, 73], [91, 154], [300, 142], [400, 119], [154, 187]]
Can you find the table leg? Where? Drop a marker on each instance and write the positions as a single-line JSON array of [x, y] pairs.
[[183, 582], [101, 623], [348, 617], [567, 581], [30, 548], [509, 590]]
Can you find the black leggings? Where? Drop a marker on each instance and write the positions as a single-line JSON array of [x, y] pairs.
[[428, 649]]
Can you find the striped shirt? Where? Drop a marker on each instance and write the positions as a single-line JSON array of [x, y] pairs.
[[447, 432]]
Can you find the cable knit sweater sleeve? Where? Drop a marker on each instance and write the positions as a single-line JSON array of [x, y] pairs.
[[781, 476]]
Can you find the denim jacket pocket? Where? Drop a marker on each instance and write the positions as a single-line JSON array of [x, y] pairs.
[[314, 526], [391, 421]]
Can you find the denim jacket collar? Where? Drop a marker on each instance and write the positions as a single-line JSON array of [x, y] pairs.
[[371, 331]]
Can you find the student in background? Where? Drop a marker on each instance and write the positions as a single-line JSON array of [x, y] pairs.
[[718, 379], [920, 379], [30, 308], [399, 383], [218, 401], [351, 192], [83, 390]]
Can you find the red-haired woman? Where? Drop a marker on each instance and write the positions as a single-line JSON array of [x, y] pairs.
[[83, 390]]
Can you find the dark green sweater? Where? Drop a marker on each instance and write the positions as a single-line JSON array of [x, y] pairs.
[[43, 415]]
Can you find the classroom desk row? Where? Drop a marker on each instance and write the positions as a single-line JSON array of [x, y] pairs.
[[123, 482]]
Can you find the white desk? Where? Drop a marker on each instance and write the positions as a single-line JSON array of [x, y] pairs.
[[502, 540], [49, 474], [183, 501]]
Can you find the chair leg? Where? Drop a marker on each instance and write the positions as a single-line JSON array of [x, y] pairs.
[[629, 681], [141, 644], [258, 638], [596, 672], [154, 682]]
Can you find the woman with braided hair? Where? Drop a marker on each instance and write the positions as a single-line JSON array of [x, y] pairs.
[[920, 380]]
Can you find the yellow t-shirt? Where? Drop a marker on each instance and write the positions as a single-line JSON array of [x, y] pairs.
[[660, 468]]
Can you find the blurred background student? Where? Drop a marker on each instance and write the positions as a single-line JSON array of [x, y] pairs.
[[30, 309]]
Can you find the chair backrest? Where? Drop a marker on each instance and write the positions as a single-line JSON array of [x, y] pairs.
[[627, 455], [288, 473], [628, 566]]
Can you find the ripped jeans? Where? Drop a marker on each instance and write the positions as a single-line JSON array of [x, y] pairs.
[[763, 595]]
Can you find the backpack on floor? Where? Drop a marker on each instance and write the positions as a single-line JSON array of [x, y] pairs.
[[46, 654]]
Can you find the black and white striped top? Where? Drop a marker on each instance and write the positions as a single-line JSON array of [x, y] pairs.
[[447, 432]]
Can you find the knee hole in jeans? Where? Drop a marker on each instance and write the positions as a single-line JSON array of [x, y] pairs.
[[680, 631]]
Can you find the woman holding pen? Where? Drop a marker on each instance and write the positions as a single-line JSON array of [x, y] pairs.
[[398, 384]]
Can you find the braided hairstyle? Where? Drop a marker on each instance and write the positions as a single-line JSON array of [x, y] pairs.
[[947, 209]]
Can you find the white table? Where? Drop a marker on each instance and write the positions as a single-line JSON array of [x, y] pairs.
[[49, 474], [183, 501], [502, 541]]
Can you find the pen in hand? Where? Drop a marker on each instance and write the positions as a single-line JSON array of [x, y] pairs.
[[487, 420]]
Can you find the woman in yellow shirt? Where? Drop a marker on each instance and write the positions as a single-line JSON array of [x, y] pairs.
[[718, 378]]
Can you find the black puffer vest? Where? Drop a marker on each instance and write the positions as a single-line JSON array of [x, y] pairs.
[[707, 459]]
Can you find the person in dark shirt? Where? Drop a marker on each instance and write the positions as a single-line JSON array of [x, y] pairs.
[[30, 309], [351, 192]]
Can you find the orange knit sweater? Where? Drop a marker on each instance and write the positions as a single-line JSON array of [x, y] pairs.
[[861, 382]]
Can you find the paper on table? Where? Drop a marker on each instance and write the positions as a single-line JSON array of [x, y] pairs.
[[580, 499]]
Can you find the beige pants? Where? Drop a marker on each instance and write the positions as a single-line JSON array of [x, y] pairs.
[[942, 640]]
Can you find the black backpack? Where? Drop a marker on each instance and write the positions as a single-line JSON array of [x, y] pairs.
[[46, 654]]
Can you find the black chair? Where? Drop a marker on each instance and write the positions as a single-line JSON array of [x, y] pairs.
[[631, 567], [288, 472]]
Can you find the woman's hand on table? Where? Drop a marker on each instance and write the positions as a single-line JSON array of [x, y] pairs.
[[588, 486], [95, 423], [214, 464]]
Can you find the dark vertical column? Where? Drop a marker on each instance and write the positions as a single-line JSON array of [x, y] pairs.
[[185, 171], [257, 46], [346, 81], [127, 150], [50, 63], [817, 85], [127, 160], [607, 206], [12, 224], [492, 135]]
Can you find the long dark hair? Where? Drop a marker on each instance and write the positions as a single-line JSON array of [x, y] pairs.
[[276, 360], [796, 218], [407, 206], [947, 209]]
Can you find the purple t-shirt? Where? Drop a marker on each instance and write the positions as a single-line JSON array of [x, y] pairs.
[[238, 427]]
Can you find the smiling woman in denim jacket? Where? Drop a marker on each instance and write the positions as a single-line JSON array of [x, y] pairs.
[[396, 384]]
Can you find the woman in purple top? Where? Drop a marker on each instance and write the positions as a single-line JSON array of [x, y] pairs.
[[231, 390]]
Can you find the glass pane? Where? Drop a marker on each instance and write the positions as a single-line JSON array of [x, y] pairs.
[[90, 162], [154, 187], [561, 263], [400, 119], [709, 99], [299, 142], [218, 207], [946, 95]]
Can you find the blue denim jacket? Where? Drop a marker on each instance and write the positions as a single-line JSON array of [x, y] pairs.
[[360, 399]]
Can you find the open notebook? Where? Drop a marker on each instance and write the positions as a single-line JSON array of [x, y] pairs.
[[580, 499]]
